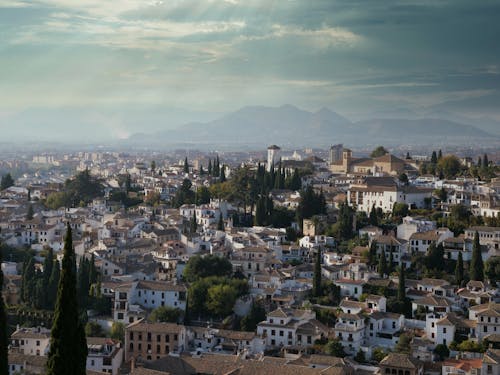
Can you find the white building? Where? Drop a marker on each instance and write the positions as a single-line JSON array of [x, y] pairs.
[[291, 327], [273, 156], [104, 355], [31, 341], [384, 192]]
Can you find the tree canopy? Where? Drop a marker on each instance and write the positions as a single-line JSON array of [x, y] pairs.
[[199, 267], [379, 151]]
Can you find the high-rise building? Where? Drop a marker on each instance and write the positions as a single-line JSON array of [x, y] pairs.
[[273, 156], [336, 153]]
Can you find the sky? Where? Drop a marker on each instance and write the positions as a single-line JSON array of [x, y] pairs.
[[124, 66]]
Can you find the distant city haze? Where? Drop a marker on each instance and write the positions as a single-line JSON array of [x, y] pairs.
[[213, 71]]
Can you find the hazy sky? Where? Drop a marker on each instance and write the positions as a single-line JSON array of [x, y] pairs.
[[191, 60]]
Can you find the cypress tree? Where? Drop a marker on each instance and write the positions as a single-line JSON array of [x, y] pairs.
[[4, 340], [373, 216], [440, 155], [401, 285], [220, 224], [382, 264], [479, 162], [372, 255], [92, 270], [217, 166], [390, 266], [209, 167], [194, 223], [434, 158], [222, 174], [186, 165], [68, 345], [47, 266], [317, 275], [476, 263], [459, 270], [485, 161], [29, 214], [28, 281], [52, 285]]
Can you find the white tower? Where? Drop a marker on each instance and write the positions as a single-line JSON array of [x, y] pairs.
[[273, 156]]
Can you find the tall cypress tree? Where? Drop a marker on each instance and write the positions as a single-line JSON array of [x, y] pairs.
[[28, 281], [186, 165], [222, 174], [459, 270], [220, 224], [317, 275], [209, 167], [68, 345], [52, 285], [476, 263], [4, 340], [485, 161], [382, 264]]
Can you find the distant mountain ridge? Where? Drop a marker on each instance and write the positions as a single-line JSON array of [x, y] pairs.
[[288, 125]]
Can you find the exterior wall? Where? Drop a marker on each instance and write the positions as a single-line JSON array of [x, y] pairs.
[[150, 343]]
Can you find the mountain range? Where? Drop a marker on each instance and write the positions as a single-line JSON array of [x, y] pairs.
[[290, 126]]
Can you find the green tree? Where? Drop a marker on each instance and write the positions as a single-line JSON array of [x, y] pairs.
[[400, 209], [459, 270], [68, 345], [52, 285], [153, 166], [221, 299], [379, 151], [222, 174], [360, 356], [209, 167], [435, 257], [476, 271], [193, 224], [117, 331], [199, 267], [403, 345], [202, 195], [372, 254], [442, 351], [257, 314], [93, 329], [449, 165], [434, 158], [334, 348], [165, 314], [317, 275], [4, 338], [186, 165], [220, 223], [382, 265], [378, 354], [7, 181], [373, 216], [30, 213], [486, 163], [493, 270], [28, 281]]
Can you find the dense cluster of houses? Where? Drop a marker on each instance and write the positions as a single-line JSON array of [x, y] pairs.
[[141, 254]]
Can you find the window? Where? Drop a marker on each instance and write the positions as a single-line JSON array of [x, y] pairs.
[[444, 329], [131, 335]]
